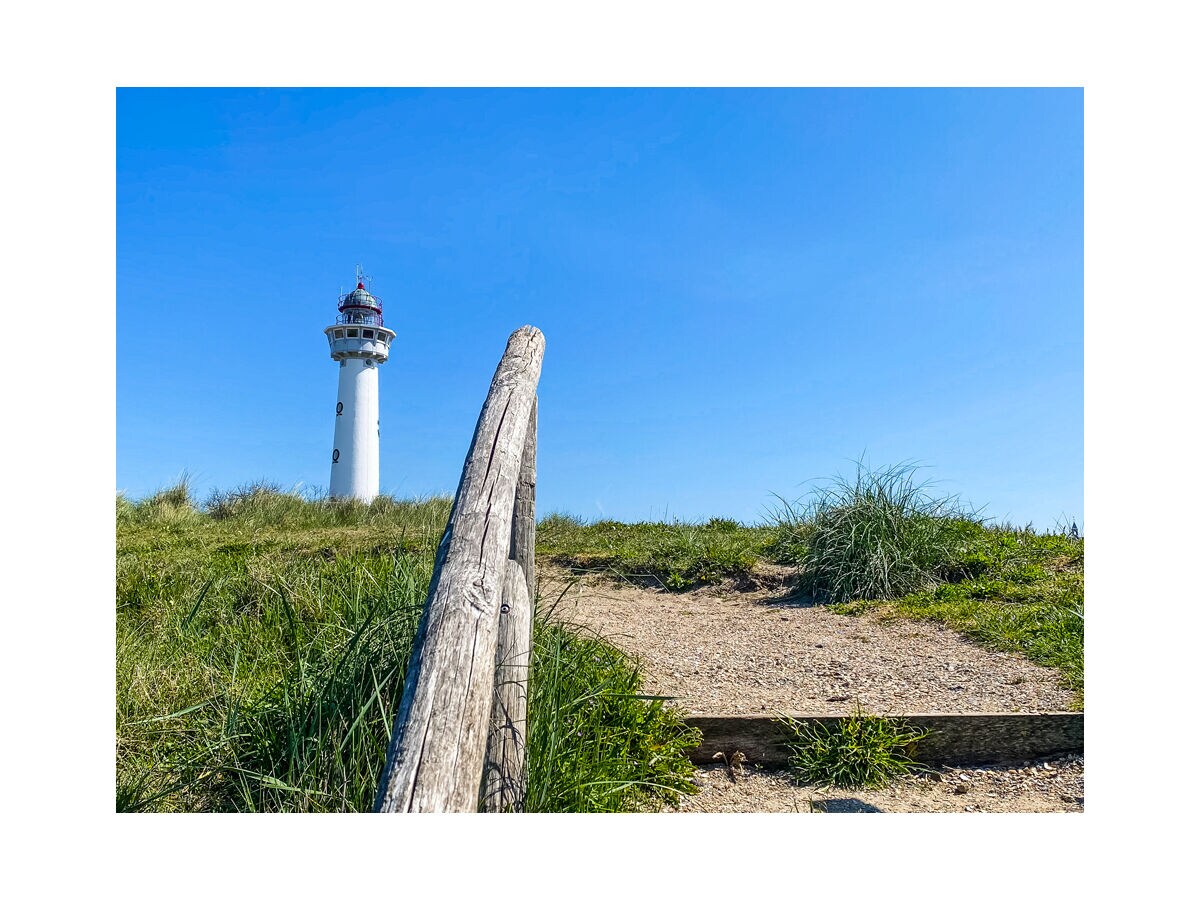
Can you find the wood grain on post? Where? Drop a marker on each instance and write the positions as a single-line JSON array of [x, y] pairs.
[[524, 523], [504, 777], [504, 767], [435, 756]]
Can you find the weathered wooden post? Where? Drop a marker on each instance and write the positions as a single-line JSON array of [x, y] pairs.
[[436, 753], [504, 768]]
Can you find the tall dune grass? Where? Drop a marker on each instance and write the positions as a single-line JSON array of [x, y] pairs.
[[880, 534], [261, 654]]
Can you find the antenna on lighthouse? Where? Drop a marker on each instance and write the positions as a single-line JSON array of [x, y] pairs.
[[361, 279]]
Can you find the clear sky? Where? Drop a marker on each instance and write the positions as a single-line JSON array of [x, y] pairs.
[[741, 290]]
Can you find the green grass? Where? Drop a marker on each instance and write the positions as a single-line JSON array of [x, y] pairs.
[[878, 535], [675, 555], [261, 651], [883, 540], [596, 743], [856, 751], [1014, 590], [262, 636], [264, 517], [880, 539]]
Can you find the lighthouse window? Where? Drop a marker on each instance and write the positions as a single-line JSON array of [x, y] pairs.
[[339, 333], [351, 332], [368, 333]]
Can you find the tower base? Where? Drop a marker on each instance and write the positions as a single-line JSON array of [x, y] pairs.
[[354, 471]]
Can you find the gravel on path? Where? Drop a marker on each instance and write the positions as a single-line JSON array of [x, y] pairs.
[[746, 648], [1047, 786]]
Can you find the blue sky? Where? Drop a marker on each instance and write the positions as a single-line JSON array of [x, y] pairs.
[[741, 290]]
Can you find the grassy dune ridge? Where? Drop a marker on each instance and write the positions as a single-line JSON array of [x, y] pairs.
[[262, 636]]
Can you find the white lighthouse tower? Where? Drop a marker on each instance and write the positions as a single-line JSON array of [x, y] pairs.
[[359, 342]]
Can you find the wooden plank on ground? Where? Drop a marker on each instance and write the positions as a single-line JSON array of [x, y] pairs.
[[965, 739]]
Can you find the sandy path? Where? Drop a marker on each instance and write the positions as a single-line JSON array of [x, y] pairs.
[[746, 648], [727, 649]]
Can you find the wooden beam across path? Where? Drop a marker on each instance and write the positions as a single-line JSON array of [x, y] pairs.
[[965, 739], [436, 753]]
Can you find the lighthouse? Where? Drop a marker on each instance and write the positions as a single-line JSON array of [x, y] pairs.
[[359, 343]]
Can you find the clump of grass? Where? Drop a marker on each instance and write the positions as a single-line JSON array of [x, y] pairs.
[[259, 499], [792, 529], [877, 535], [170, 508], [178, 495], [857, 751], [126, 509], [596, 743]]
